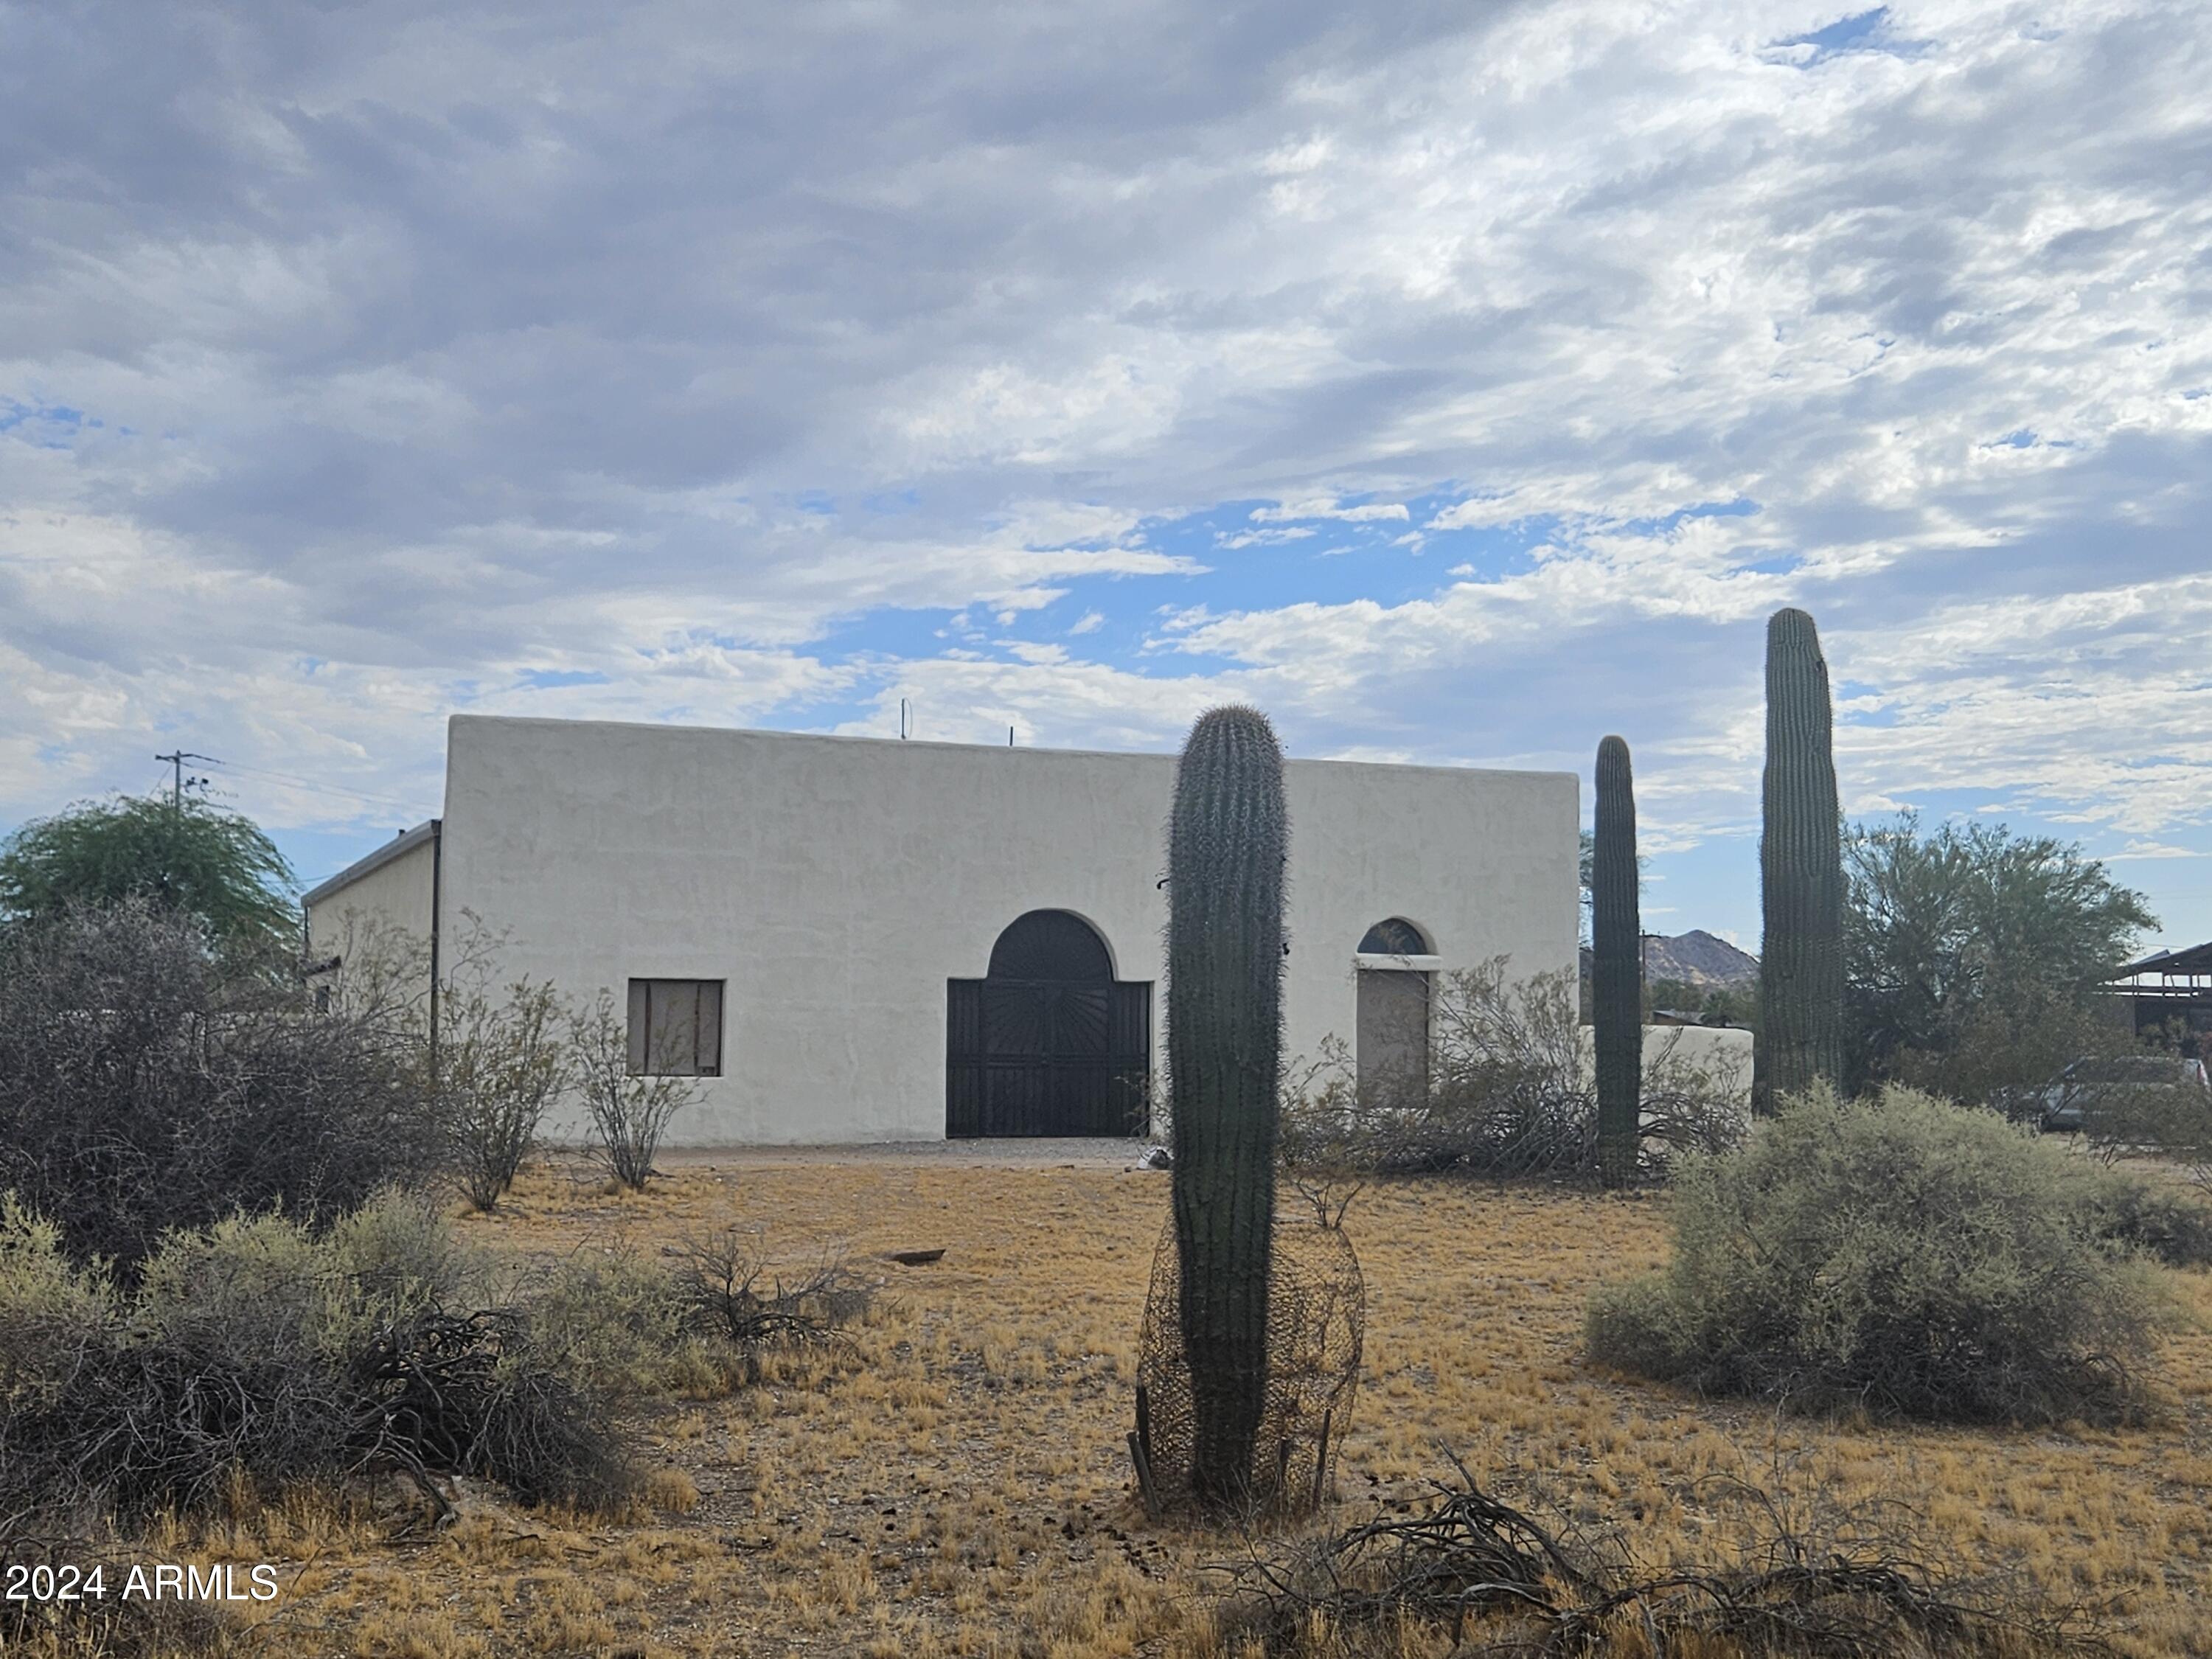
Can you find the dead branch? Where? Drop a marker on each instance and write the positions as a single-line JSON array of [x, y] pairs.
[[1553, 1594]]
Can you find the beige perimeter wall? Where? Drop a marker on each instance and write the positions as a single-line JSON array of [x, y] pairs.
[[1721, 1052]]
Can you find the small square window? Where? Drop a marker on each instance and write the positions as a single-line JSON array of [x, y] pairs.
[[675, 1027]]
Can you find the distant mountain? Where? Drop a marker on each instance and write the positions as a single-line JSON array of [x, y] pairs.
[[1699, 957], [1696, 957]]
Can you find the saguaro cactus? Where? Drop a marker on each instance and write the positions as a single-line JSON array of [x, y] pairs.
[[1227, 834], [1801, 871], [1616, 966]]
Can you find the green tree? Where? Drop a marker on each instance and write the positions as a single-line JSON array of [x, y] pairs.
[[1974, 957], [184, 856], [1732, 1005]]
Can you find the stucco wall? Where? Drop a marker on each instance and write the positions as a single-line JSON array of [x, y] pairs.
[[397, 893], [836, 884]]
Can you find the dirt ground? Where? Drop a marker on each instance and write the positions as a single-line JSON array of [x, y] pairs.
[[958, 1483]]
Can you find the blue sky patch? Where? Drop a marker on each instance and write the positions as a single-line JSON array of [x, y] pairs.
[[1865, 31], [45, 426]]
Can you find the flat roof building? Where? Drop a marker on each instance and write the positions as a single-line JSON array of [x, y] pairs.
[[860, 939]]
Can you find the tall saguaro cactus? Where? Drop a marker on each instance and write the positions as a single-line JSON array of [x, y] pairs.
[[1616, 966], [1801, 871], [1227, 834]]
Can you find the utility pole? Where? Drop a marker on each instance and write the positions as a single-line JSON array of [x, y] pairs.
[[176, 805], [177, 789]]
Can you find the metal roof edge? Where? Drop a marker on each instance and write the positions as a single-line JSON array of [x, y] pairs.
[[398, 846], [2189, 959]]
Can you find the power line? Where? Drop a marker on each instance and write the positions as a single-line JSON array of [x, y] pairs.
[[309, 783], [177, 783]]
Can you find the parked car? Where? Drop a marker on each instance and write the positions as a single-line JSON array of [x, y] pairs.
[[2090, 1086]]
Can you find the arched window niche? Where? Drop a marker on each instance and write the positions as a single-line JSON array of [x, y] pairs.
[[1395, 936], [1395, 964]]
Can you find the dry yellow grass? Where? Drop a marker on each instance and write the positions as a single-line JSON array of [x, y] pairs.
[[957, 1485]]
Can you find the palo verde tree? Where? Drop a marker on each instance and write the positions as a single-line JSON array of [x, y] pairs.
[[1616, 966], [1227, 839], [182, 856], [1800, 873], [1975, 959]]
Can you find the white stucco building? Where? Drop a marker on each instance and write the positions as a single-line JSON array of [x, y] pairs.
[[851, 939]]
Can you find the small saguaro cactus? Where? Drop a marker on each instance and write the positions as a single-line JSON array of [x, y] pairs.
[[1227, 835], [1800, 873], [1616, 967]]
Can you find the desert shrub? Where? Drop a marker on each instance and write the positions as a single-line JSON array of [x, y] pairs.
[[248, 1286], [253, 1355], [621, 1324], [628, 1112], [504, 1052], [469, 1394], [263, 1284], [2127, 1209], [378, 970], [396, 1254], [1513, 1085], [1899, 1252], [50, 1309], [730, 1290], [610, 1319], [143, 1421], [144, 1088], [1329, 1139], [1511, 1090]]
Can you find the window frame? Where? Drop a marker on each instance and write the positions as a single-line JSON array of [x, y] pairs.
[[710, 1000]]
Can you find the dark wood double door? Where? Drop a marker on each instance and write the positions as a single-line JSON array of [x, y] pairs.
[[1049, 1042]]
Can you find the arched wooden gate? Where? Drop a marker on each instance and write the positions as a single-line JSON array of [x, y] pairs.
[[1048, 1042]]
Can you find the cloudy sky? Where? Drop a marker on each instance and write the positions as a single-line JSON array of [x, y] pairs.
[[1459, 382]]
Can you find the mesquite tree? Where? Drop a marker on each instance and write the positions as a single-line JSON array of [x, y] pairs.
[[1801, 871], [1226, 839], [1616, 966]]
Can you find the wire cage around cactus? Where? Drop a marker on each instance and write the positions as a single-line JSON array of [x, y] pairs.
[[1316, 1318]]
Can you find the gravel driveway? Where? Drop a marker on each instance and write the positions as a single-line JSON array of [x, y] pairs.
[[1028, 1153]]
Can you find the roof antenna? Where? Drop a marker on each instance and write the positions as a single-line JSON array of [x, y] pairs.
[[1010, 737], [901, 720]]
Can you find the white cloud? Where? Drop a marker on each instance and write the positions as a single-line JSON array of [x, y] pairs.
[[1274, 538], [2151, 849], [1320, 506], [674, 354]]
